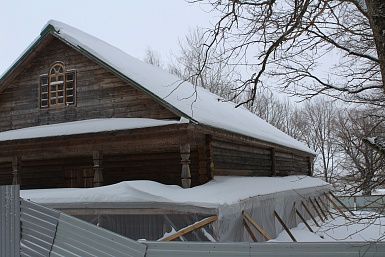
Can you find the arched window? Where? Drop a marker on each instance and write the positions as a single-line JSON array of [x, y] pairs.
[[58, 87]]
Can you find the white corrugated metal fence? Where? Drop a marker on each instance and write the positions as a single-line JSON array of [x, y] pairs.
[[9, 221]]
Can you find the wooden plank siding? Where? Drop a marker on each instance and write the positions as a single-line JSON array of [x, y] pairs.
[[151, 153], [163, 167], [243, 160], [100, 94]]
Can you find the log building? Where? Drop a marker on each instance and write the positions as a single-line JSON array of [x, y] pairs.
[[78, 112]]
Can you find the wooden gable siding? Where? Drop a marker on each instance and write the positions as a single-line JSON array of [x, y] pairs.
[[243, 160], [100, 94]]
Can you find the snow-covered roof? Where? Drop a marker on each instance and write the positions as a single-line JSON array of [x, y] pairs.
[[222, 190], [194, 103], [82, 127]]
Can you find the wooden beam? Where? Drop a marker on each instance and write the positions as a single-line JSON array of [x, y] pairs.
[[315, 208], [336, 206], [326, 207], [186, 175], [304, 221], [311, 215], [190, 228], [16, 169], [340, 202], [249, 230], [209, 157], [319, 206], [98, 168], [256, 225], [284, 226]]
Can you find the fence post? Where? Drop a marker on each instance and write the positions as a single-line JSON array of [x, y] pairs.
[[10, 221]]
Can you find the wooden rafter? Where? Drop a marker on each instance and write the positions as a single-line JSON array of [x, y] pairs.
[[190, 228]]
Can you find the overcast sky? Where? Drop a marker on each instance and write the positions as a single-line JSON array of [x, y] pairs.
[[131, 25]]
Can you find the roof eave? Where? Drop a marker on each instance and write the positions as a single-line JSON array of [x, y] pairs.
[[50, 29], [7, 77], [135, 84]]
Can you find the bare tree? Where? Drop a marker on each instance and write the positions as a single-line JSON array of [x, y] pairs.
[[292, 41], [204, 69], [364, 167], [279, 111], [320, 126], [153, 57]]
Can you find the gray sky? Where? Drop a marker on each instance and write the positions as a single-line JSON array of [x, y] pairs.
[[131, 25]]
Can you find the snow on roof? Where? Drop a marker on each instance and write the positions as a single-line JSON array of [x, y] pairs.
[[81, 127], [195, 103], [219, 191]]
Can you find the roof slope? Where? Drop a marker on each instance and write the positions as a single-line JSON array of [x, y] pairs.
[[194, 103]]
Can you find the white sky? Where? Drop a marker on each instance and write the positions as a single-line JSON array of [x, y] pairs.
[[131, 25]]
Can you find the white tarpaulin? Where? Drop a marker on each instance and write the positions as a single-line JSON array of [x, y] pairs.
[[224, 197]]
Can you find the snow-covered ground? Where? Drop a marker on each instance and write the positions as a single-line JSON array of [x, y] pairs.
[[364, 226]]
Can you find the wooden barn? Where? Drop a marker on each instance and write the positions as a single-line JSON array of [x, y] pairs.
[[78, 112]]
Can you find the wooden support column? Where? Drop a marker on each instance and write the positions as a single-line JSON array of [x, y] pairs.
[[98, 168], [273, 163], [209, 157], [186, 175], [16, 170], [310, 166]]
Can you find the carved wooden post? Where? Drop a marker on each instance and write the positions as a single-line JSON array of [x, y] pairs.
[[16, 169], [186, 175], [98, 168]]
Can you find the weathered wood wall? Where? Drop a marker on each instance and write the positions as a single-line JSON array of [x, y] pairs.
[[100, 94], [243, 160], [162, 167], [153, 156]]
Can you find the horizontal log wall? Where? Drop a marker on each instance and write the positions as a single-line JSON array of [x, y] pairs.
[[290, 164], [162, 167], [100, 94], [241, 160], [6, 173]]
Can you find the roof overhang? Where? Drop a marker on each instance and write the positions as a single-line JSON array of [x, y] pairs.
[[159, 137]]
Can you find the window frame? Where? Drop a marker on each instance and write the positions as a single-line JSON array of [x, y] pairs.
[[58, 87]]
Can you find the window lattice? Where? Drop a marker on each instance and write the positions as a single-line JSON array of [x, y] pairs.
[[58, 87]]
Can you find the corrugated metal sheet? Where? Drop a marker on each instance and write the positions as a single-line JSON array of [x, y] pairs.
[[38, 228], [194, 249], [75, 237], [9, 221], [47, 232]]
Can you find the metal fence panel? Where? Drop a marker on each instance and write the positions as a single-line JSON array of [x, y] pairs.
[[194, 249], [373, 202], [38, 228], [281, 249], [47, 232], [75, 237], [9, 221], [349, 202], [303, 249]]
